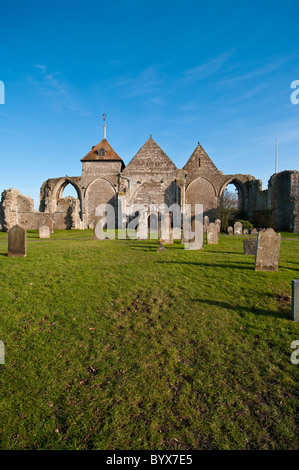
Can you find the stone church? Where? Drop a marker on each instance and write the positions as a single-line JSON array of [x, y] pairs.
[[150, 178]]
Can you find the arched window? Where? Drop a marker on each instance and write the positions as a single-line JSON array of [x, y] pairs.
[[101, 152]]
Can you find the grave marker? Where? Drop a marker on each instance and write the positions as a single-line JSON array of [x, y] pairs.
[[267, 252], [17, 242]]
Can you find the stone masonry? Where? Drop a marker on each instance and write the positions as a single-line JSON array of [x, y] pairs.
[[150, 178]]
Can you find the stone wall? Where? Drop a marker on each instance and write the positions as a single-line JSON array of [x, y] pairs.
[[151, 178], [284, 200]]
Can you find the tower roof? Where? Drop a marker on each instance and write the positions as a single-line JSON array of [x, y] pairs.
[[95, 155]]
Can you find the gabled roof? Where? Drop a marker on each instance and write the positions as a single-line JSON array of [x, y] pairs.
[[93, 155], [206, 164], [151, 156]]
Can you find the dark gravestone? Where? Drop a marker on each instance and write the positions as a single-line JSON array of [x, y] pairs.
[[249, 246], [295, 300], [17, 242]]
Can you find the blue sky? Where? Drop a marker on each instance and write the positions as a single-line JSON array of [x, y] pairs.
[[184, 71]]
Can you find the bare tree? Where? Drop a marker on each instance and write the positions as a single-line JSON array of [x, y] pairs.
[[229, 205]]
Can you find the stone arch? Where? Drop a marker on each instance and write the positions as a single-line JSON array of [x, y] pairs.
[[242, 192], [99, 191], [59, 188], [202, 191]]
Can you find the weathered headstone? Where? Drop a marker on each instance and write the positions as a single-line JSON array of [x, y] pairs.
[[253, 231], [50, 224], [295, 300], [212, 234], [17, 242], [206, 222], [218, 223], [230, 230], [267, 252], [196, 241], [249, 246], [44, 231], [142, 231], [245, 231], [98, 233], [238, 227], [169, 240]]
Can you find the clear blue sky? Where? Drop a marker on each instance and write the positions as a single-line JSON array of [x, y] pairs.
[[184, 71]]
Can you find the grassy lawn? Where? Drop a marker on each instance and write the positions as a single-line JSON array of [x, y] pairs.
[[113, 345]]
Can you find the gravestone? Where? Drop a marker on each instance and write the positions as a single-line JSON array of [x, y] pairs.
[[44, 231], [267, 252], [142, 231], [17, 242], [196, 241], [206, 222], [50, 224], [249, 246], [238, 227], [212, 234], [245, 231], [230, 230], [295, 300], [218, 223], [253, 231], [169, 240], [161, 247], [98, 233]]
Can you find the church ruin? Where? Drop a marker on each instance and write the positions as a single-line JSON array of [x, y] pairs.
[[150, 178]]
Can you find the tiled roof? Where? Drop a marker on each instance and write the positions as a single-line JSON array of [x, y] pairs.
[[94, 154]]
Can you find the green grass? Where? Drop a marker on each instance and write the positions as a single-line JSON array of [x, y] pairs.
[[113, 345]]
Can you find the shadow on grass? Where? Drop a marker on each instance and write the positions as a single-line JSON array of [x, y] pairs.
[[283, 313], [211, 265], [4, 254]]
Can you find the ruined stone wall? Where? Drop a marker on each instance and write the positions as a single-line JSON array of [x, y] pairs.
[[284, 200], [15, 208], [151, 178]]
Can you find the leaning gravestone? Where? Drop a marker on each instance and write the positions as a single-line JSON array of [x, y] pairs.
[[212, 234], [44, 231], [238, 228], [267, 252], [50, 224], [249, 246], [230, 230], [17, 242], [218, 223]]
